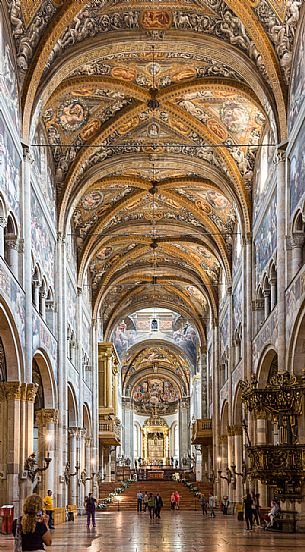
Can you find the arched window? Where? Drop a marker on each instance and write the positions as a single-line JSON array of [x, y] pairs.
[[11, 245], [154, 326]]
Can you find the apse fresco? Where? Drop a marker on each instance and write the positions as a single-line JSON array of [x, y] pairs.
[[297, 171], [155, 393], [8, 82], [297, 88], [265, 239], [10, 168], [181, 333], [43, 241]]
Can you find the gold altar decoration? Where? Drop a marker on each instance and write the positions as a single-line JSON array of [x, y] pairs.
[[155, 440]]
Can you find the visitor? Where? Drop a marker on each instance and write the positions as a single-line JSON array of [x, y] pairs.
[[139, 501], [173, 501], [90, 510], [176, 464], [204, 505], [151, 506], [274, 512], [145, 501], [248, 502], [211, 504], [31, 532], [255, 509], [177, 500], [172, 461], [48, 504], [135, 465], [158, 505], [225, 505]]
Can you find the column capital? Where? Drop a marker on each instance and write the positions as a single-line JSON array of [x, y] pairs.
[[12, 390], [258, 304], [74, 431], [296, 241], [31, 391], [281, 153], [46, 416], [223, 439], [3, 222]]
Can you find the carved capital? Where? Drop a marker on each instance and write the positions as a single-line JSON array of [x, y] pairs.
[[258, 304], [238, 430], [296, 241], [47, 416], [11, 241], [223, 439], [12, 390], [31, 391], [3, 222], [74, 431]]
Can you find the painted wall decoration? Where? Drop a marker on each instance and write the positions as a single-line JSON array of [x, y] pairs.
[[155, 393], [297, 87], [71, 303], [265, 239], [43, 241], [294, 299], [224, 330], [42, 171], [10, 168], [14, 296], [86, 334], [42, 338], [266, 336], [8, 81], [297, 171], [237, 304]]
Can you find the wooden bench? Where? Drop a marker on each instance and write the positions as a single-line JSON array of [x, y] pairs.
[[285, 521]]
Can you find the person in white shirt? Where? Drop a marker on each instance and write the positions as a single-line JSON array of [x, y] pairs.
[[212, 505]]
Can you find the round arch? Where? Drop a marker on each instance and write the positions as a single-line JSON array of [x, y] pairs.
[[268, 363], [296, 347], [48, 378], [72, 406], [11, 344]]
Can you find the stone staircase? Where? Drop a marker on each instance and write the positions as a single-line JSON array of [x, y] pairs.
[[127, 501]]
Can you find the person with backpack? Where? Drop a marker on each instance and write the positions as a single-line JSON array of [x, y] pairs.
[[151, 506]]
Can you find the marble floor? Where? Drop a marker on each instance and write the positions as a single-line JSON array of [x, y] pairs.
[[175, 532]]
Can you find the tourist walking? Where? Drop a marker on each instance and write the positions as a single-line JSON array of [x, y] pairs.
[[204, 505], [48, 504], [145, 501], [248, 502], [90, 510], [211, 504], [151, 505], [139, 501], [31, 532], [173, 501], [158, 505], [177, 500], [225, 505]]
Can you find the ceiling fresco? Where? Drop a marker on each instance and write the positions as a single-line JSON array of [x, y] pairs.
[[154, 112]]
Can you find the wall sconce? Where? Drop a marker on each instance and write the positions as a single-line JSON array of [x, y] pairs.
[[32, 468]]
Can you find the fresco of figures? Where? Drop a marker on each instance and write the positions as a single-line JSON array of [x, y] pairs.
[[10, 167], [8, 82], [297, 89], [43, 173], [224, 330], [180, 332], [86, 333], [14, 296], [265, 239], [155, 393], [43, 241], [297, 171]]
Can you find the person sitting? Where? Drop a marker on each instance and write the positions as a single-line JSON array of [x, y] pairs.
[[273, 514]]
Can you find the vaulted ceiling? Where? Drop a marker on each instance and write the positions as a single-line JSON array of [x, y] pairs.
[[154, 111]]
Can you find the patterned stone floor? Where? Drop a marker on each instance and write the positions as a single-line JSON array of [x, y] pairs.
[[175, 532]]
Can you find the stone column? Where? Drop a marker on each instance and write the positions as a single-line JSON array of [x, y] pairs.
[[281, 257], [47, 419], [61, 441], [3, 223], [79, 360], [261, 433], [224, 464], [204, 385], [273, 293], [95, 393], [90, 467], [73, 482], [296, 243], [216, 413], [231, 460], [27, 275], [247, 334], [183, 429], [128, 433], [238, 462], [11, 243], [266, 303], [13, 396]]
